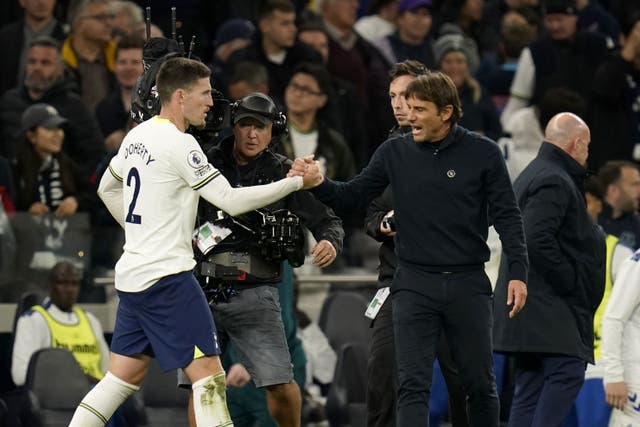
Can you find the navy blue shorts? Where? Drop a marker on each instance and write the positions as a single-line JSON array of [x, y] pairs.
[[170, 321]]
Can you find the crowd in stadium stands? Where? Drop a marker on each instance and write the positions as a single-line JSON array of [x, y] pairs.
[[67, 73]]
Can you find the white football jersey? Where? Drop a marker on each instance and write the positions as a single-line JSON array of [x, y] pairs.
[[159, 167]]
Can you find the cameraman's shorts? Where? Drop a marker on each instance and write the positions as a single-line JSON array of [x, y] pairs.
[[170, 321], [253, 323]]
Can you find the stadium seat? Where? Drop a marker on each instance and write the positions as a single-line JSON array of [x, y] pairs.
[[346, 401], [56, 384], [342, 319], [165, 403]]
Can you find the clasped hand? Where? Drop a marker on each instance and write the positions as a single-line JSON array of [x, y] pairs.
[[309, 170]]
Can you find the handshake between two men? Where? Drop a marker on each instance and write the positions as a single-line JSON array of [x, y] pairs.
[[309, 170]]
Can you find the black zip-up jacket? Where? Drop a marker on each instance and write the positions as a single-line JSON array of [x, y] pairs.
[[443, 198], [269, 167]]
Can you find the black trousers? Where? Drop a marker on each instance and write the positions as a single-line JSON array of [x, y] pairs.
[[381, 375], [460, 305]]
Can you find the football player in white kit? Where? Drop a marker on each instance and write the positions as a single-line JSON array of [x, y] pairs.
[[152, 189], [621, 346]]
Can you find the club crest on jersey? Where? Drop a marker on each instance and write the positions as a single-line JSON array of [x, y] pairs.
[[196, 159], [451, 173]]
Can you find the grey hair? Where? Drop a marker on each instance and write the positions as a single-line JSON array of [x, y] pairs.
[[133, 10]]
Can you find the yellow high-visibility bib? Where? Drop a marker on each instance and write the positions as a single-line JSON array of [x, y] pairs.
[[79, 339], [612, 242]]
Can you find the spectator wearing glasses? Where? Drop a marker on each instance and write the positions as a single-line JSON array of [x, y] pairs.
[[89, 51], [305, 95]]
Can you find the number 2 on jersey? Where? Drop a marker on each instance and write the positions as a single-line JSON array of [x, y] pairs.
[[133, 176]]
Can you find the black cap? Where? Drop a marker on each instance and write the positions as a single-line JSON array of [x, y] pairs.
[[232, 29], [257, 106], [567, 7], [41, 115]]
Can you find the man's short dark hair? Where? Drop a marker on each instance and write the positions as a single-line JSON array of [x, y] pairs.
[[611, 172], [313, 26], [438, 88], [130, 42], [254, 73], [319, 74], [592, 186], [267, 7], [409, 67], [64, 270], [376, 5], [45, 41], [179, 73]]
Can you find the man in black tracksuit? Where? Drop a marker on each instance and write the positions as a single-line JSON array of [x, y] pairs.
[[446, 183], [381, 372]]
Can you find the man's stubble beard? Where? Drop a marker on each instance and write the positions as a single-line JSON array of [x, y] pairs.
[[40, 85]]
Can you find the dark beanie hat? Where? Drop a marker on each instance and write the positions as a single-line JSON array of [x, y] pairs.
[[567, 7]]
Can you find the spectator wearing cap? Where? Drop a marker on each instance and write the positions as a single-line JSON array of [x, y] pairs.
[[38, 21], [563, 56], [47, 179], [233, 35], [412, 39], [275, 46], [45, 81], [457, 57]]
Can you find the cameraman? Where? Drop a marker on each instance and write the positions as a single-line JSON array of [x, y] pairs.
[[249, 312]]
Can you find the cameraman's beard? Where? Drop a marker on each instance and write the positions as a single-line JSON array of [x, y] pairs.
[[36, 83]]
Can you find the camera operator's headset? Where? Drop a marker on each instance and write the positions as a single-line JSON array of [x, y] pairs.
[[258, 103]]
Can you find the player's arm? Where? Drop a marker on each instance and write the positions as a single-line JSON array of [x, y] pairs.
[[110, 191], [236, 201]]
